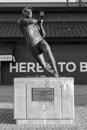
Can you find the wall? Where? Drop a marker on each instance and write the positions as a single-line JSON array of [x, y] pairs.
[[71, 61]]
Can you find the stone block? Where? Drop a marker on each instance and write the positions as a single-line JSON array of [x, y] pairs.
[[46, 100], [67, 97], [20, 100], [44, 109]]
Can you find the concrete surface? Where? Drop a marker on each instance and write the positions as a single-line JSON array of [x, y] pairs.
[[7, 121], [7, 96], [61, 107]]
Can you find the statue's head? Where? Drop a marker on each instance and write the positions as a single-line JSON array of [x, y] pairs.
[[27, 12]]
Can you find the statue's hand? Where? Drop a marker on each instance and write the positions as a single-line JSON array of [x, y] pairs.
[[41, 20]]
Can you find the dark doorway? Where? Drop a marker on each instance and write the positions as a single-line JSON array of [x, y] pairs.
[[5, 76]]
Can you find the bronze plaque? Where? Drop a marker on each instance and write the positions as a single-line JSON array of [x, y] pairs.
[[42, 94]]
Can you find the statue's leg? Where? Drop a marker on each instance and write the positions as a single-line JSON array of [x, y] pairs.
[[46, 48], [40, 58]]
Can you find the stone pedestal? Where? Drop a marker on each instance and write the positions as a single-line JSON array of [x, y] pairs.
[[44, 100]]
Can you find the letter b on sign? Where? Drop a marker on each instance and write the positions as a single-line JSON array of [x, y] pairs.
[[83, 67]]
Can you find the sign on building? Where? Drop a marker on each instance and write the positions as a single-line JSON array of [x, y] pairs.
[[5, 57]]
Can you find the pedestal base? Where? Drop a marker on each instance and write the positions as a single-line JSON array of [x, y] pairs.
[[44, 100], [45, 122]]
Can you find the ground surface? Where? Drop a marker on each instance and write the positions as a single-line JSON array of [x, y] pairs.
[[7, 121]]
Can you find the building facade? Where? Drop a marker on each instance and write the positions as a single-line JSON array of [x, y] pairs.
[[66, 33]]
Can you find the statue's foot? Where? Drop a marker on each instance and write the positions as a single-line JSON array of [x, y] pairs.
[[56, 74]]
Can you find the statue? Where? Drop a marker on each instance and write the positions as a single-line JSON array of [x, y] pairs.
[[34, 34]]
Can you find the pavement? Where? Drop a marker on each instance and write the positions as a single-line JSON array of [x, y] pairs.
[[6, 97], [7, 121]]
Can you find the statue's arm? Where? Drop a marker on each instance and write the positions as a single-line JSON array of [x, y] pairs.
[[26, 21], [42, 31]]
